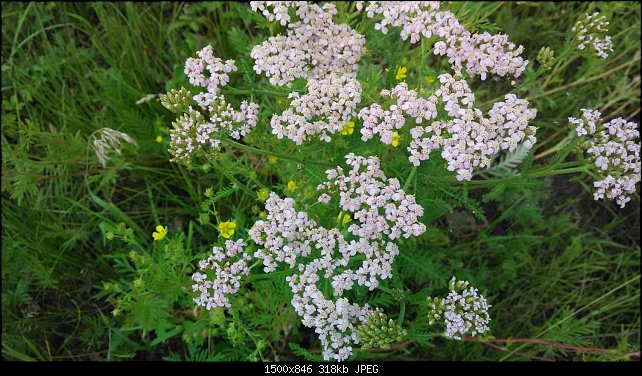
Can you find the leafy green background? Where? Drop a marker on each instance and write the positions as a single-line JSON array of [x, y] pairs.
[[555, 265]]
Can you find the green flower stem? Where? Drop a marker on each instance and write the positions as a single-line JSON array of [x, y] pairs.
[[402, 313], [270, 275], [272, 154], [259, 262], [412, 174], [234, 180], [253, 91], [384, 289], [535, 174]]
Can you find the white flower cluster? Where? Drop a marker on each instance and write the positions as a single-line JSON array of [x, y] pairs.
[[217, 69], [480, 54], [467, 140], [312, 48], [324, 53], [229, 265], [614, 149], [195, 129], [324, 110], [590, 33], [464, 311], [279, 11], [383, 211]]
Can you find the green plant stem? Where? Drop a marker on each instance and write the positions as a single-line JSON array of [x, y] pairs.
[[412, 174], [580, 82], [402, 313], [256, 91], [272, 154]]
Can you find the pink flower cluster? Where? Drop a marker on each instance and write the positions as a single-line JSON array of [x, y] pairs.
[[383, 212], [480, 54], [467, 140], [328, 105], [614, 149], [312, 48], [228, 265], [279, 11], [205, 127], [217, 69], [324, 53]]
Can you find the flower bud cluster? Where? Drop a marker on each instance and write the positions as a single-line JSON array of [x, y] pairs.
[[591, 34], [480, 54], [379, 332], [229, 264], [613, 148]]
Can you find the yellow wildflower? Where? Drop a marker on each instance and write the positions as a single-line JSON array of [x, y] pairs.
[[345, 220], [401, 73], [348, 128], [291, 185], [159, 233], [226, 229], [262, 215], [139, 282], [395, 139], [430, 79], [272, 159], [159, 139], [263, 194]]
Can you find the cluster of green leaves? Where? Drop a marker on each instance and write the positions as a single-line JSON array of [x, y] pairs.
[[555, 265]]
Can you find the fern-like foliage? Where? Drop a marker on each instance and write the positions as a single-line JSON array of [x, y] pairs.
[[507, 164]]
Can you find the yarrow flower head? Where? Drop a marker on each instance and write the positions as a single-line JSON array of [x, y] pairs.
[[325, 110], [313, 47], [379, 210], [226, 229], [613, 149], [228, 265], [591, 34], [207, 125], [464, 311], [480, 54], [468, 139], [160, 232]]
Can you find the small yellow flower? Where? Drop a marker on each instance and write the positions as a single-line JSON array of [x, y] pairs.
[[139, 282], [272, 160], [263, 194], [159, 233], [291, 185], [345, 220], [262, 215], [430, 79], [348, 128], [395, 139], [401, 73], [226, 229], [159, 139]]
